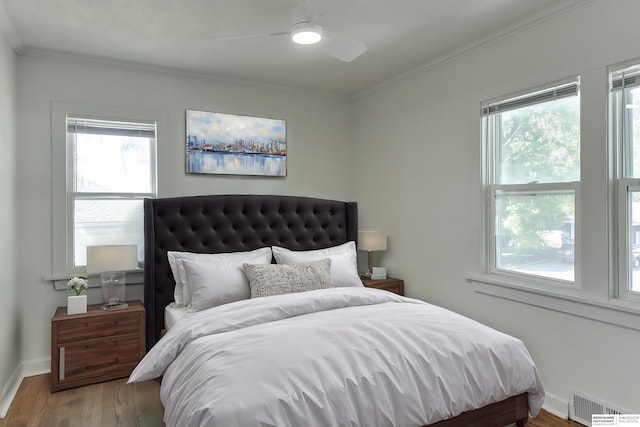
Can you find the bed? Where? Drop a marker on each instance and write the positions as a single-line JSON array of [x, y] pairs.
[[223, 224]]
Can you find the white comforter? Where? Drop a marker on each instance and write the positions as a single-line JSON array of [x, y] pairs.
[[334, 357]]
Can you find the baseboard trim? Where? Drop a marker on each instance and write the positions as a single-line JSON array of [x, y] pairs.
[[9, 390], [556, 406], [36, 367], [28, 369]]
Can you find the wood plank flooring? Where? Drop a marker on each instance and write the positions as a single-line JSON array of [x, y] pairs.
[[116, 403], [113, 403]]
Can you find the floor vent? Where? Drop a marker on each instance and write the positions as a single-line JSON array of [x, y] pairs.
[[583, 406]]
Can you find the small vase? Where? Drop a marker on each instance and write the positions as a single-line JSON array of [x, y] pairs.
[[76, 304]]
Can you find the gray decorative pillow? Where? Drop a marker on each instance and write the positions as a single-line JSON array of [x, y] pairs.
[[277, 279]]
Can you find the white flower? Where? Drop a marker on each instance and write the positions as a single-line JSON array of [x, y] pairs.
[[78, 284]]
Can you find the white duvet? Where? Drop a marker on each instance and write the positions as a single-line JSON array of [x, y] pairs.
[[334, 357]]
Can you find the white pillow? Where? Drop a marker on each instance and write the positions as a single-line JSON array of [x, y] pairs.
[[181, 293], [344, 262], [277, 279]]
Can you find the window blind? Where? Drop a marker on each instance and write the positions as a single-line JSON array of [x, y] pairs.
[[109, 127], [628, 77], [549, 94]]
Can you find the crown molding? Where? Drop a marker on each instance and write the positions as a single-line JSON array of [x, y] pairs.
[[9, 30], [496, 37], [529, 22], [118, 64]]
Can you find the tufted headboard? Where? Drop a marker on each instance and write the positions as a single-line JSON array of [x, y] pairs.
[[232, 223]]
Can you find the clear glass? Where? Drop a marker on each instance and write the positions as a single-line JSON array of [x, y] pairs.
[[633, 239], [113, 289], [112, 164], [107, 222], [632, 130], [535, 234], [539, 143]]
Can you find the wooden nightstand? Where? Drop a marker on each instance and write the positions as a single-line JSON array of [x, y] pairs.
[[389, 284], [96, 346]]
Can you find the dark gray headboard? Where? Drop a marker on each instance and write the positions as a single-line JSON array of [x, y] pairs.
[[232, 223]]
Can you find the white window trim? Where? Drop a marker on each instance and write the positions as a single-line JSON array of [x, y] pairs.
[[597, 299], [61, 270], [613, 311], [547, 188], [623, 185], [624, 220], [558, 87]]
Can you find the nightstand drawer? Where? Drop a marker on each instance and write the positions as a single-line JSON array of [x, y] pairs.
[[86, 329], [391, 285], [95, 346], [98, 357]]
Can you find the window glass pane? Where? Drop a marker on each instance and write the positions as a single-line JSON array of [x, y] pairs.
[[535, 234], [112, 163], [107, 222], [539, 143], [632, 129], [633, 240]]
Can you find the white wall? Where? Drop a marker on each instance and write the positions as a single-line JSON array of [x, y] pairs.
[[318, 157], [10, 334], [417, 172]]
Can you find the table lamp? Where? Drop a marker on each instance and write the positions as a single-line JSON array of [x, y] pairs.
[[371, 241], [111, 262]]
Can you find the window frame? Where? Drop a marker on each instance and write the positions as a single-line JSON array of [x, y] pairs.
[[62, 175], [597, 298], [624, 185], [74, 195], [490, 109]]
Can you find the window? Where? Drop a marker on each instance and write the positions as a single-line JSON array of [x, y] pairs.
[[624, 84], [111, 168], [532, 148]]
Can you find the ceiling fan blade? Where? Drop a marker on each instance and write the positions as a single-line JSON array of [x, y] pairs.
[[341, 47]]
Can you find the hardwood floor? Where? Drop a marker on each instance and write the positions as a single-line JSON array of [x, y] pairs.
[[113, 403], [545, 419], [116, 403]]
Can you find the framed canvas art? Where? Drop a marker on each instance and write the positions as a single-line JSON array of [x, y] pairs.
[[218, 143]]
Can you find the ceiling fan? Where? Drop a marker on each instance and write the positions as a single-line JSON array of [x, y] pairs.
[[308, 28]]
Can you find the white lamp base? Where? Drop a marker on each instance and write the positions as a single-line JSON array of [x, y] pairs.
[[377, 273], [113, 290], [114, 306]]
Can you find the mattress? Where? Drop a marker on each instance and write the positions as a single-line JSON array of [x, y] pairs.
[[173, 313]]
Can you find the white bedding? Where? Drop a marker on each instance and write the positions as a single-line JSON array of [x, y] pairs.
[[173, 313], [334, 357]]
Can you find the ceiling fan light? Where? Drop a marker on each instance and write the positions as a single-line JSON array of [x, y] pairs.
[[306, 34]]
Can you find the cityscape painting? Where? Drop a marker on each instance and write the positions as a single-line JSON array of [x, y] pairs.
[[218, 143]]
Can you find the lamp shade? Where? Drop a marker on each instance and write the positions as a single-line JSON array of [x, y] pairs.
[[111, 258], [372, 241]]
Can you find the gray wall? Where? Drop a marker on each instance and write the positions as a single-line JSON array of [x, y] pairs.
[[10, 335], [417, 175], [409, 153], [319, 157]]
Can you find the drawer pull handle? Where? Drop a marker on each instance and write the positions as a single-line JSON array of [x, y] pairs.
[[61, 364]]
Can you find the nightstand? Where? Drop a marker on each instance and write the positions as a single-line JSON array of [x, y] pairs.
[[95, 346], [392, 285]]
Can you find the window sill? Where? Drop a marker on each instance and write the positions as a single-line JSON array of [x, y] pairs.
[[60, 281], [612, 311]]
